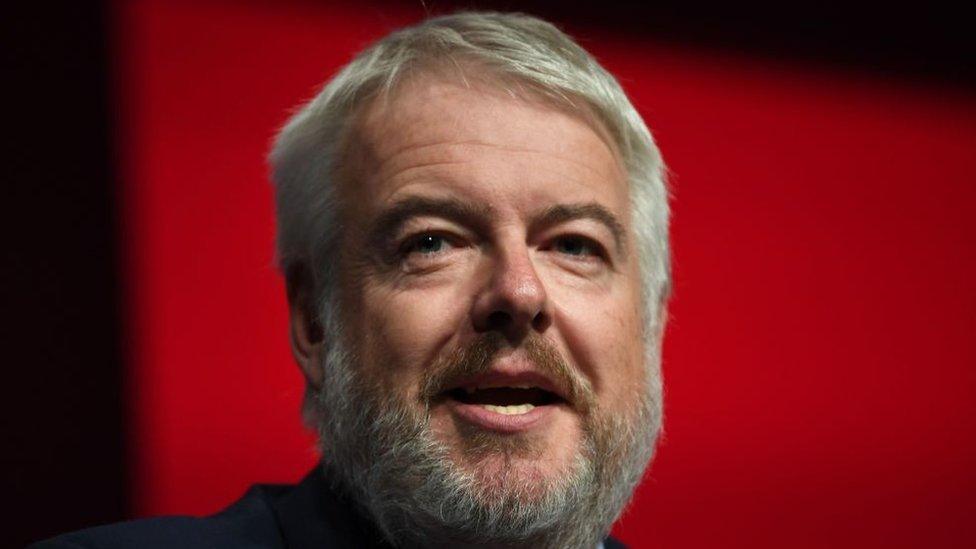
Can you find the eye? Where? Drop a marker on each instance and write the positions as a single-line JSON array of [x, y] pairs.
[[426, 245], [576, 246], [428, 251]]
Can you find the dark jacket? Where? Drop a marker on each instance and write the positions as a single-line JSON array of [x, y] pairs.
[[310, 515]]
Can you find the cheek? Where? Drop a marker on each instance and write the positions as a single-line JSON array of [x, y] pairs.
[[603, 336], [624, 372], [404, 331]]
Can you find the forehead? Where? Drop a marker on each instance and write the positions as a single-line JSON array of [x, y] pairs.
[[474, 135]]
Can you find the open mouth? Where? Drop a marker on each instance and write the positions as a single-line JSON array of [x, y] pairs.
[[506, 400], [509, 399]]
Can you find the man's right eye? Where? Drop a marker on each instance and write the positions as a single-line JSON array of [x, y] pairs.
[[425, 252], [428, 244], [425, 244]]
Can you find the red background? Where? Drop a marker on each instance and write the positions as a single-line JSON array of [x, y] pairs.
[[819, 362]]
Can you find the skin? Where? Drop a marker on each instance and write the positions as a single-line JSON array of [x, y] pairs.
[[415, 290]]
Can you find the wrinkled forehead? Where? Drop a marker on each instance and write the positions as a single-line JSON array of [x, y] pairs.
[[466, 99]]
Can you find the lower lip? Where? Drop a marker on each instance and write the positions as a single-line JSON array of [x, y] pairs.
[[502, 423]]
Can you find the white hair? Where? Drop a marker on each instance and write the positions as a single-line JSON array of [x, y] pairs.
[[513, 47]]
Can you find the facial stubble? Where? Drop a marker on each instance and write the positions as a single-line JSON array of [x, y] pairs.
[[380, 447]]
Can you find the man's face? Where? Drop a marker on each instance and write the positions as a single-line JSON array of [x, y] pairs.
[[475, 220]]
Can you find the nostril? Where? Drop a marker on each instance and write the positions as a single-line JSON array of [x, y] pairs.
[[498, 320], [541, 321]]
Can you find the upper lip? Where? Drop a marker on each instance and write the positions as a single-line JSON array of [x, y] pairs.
[[513, 375]]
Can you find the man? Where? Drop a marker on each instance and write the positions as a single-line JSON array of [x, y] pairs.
[[472, 224]]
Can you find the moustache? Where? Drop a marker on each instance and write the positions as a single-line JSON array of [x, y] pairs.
[[476, 358]]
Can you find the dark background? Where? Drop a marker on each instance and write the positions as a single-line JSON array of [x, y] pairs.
[[63, 456], [65, 462]]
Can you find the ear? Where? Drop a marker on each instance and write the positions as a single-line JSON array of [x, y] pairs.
[[308, 343]]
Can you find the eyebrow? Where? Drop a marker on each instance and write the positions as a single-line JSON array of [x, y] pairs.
[[393, 218], [562, 213]]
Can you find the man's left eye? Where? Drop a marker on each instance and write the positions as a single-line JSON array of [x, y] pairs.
[[575, 246]]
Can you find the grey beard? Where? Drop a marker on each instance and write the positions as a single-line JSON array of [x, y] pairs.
[[382, 451]]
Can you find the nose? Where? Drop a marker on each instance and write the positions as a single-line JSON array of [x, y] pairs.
[[513, 300]]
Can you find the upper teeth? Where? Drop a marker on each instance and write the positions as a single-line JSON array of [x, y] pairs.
[[469, 389]]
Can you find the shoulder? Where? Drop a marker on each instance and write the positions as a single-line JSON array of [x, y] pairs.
[[247, 524]]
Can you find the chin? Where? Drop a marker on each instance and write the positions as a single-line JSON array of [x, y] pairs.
[[510, 467], [499, 478]]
